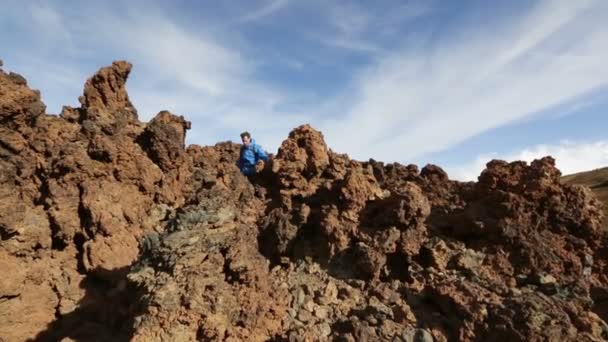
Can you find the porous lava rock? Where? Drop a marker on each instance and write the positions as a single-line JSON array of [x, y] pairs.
[[114, 229]]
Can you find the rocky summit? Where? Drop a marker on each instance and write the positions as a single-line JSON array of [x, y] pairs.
[[115, 230]]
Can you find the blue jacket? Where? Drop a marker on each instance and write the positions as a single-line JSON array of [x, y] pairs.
[[250, 155]]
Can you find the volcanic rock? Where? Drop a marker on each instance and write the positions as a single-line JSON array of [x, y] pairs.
[[114, 229]]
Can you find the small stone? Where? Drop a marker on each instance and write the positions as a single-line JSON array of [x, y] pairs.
[[314, 268], [350, 294], [331, 291], [416, 335], [470, 259], [356, 283], [309, 306], [371, 320], [403, 313], [321, 313], [588, 260], [292, 312], [300, 296], [380, 308], [293, 336], [423, 336], [521, 279], [304, 316], [597, 325], [515, 291], [330, 294], [547, 279], [324, 329], [543, 279]]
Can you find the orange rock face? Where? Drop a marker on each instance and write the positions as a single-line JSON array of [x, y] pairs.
[[113, 229]]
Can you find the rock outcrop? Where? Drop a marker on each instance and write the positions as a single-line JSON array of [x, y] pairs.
[[78, 190], [113, 229]]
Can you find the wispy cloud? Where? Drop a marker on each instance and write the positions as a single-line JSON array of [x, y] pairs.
[[49, 21], [269, 8], [204, 76], [194, 74], [570, 157], [355, 28], [428, 97], [403, 94], [359, 45]]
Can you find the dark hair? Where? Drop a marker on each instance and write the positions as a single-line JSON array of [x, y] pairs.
[[245, 134]]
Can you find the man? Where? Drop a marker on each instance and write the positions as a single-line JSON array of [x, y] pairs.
[[251, 154]]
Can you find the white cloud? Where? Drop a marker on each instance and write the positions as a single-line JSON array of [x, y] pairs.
[[192, 72], [212, 84], [420, 96], [570, 157], [271, 7], [424, 98], [174, 54], [353, 44], [49, 21], [359, 29]]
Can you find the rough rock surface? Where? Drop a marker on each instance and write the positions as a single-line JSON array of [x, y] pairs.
[[113, 229], [78, 190]]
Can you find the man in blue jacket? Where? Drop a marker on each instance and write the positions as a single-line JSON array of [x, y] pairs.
[[251, 154]]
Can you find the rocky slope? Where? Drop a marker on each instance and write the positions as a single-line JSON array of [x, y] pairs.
[[113, 229], [596, 180]]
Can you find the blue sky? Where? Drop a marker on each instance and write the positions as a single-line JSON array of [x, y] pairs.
[[454, 83]]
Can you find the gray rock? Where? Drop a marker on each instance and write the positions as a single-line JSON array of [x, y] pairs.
[[300, 296], [372, 320], [408, 335], [470, 259], [542, 279], [225, 215], [588, 260], [416, 335], [423, 336], [380, 308]]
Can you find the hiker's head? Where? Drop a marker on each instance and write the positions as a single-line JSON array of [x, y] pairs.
[[246, 138]]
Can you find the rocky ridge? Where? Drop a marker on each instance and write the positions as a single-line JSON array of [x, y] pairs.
[[114, 229]]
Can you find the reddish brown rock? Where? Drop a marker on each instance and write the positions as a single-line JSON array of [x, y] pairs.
[[105, 101], [19, 105], [73, 194], [301, 160], [164, 140], [113, 229]]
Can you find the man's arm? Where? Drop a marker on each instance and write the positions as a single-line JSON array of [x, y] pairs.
[[260, 153]]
